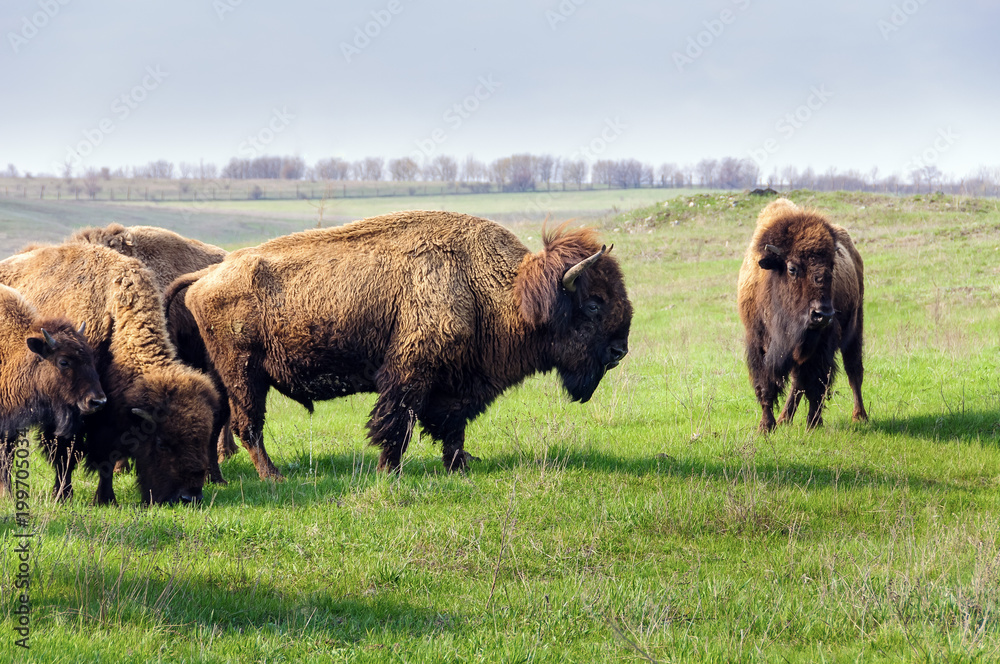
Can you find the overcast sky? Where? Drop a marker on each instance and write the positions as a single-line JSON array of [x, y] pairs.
[[849, 84]]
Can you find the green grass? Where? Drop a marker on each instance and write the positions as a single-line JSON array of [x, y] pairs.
[[652, 523]]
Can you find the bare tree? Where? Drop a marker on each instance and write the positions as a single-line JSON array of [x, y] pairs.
[[707, 170], [11, 171], [403, 170], [371, 168], [332, 169], [500, 172], [161, 169], [575, 172], [207, 171], [442, 169], [522, 172], [187, 170], [545, 168], [473, 170], [91, 182], [293, 168]]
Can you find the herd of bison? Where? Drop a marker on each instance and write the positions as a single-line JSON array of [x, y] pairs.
[[136, 347]]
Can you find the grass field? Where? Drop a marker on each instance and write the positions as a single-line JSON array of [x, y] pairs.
[[651, 524]]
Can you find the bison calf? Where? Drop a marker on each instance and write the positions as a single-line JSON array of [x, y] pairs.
[[47, 375], [437, 312], [801, 293]]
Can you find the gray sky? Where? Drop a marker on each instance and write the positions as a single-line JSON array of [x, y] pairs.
[[866, 83]]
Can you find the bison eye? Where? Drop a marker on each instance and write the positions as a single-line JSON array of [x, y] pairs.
[[793, 271], [63, 363], [591, 308]]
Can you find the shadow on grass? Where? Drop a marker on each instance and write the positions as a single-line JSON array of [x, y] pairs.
[[101, 591], [965, 426]]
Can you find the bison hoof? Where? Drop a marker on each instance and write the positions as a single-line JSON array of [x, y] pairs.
[[459, 460]]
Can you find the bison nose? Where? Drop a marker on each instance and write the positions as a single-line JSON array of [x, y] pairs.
[[93, 404], [821, 316], [188, 497], [616, 351]]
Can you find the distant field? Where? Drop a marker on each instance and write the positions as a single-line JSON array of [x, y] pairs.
[[232, 224], [505, 206], [652, 524]]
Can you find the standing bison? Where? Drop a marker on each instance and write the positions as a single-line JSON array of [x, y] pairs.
[[437, 312], [47, 376], [801, 293], [160, 412]]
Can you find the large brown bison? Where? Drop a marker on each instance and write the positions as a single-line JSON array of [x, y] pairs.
[[801, 294], [437, 312], [168, 255], [160, 412], [47, 376]]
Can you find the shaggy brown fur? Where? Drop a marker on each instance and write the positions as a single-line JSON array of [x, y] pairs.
[[169, 255], [49, 382], [437, 312], [115, 295], [800, 296], [166, 254]]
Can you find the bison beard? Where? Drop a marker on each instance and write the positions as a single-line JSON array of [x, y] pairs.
[[438, 313], [800, 296]]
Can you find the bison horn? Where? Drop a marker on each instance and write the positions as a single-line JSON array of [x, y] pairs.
[[774, 250], [83, 326], [144, 414], [48, 339], [569, 279]]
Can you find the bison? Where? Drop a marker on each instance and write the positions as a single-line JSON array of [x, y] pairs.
[[168, 255], [47, 375], [800, 297], [160, 412], [437, 312]]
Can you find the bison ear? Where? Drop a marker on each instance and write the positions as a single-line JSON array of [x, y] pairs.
[[39, 347]]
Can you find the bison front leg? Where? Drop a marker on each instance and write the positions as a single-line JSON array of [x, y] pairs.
[[247, 395], [445, 421], [795, 393], [767, 392], [62, 454], [390, 426]]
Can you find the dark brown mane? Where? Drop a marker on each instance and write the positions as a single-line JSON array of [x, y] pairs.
[[539, 275]]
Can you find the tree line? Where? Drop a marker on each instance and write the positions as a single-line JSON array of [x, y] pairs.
[[528, 172]]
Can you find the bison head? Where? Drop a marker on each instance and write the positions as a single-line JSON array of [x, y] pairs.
[[168, 416], [799, 252], [66, 376], [572, 295]]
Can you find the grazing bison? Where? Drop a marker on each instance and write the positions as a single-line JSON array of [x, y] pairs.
[[47, 375], [160, 412], [168, 255], [437, 312], [801, 293]]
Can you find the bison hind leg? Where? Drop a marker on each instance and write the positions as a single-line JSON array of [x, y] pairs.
[[390, 426]]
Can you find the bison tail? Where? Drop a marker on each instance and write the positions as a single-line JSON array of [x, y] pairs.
[[181, 283]]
